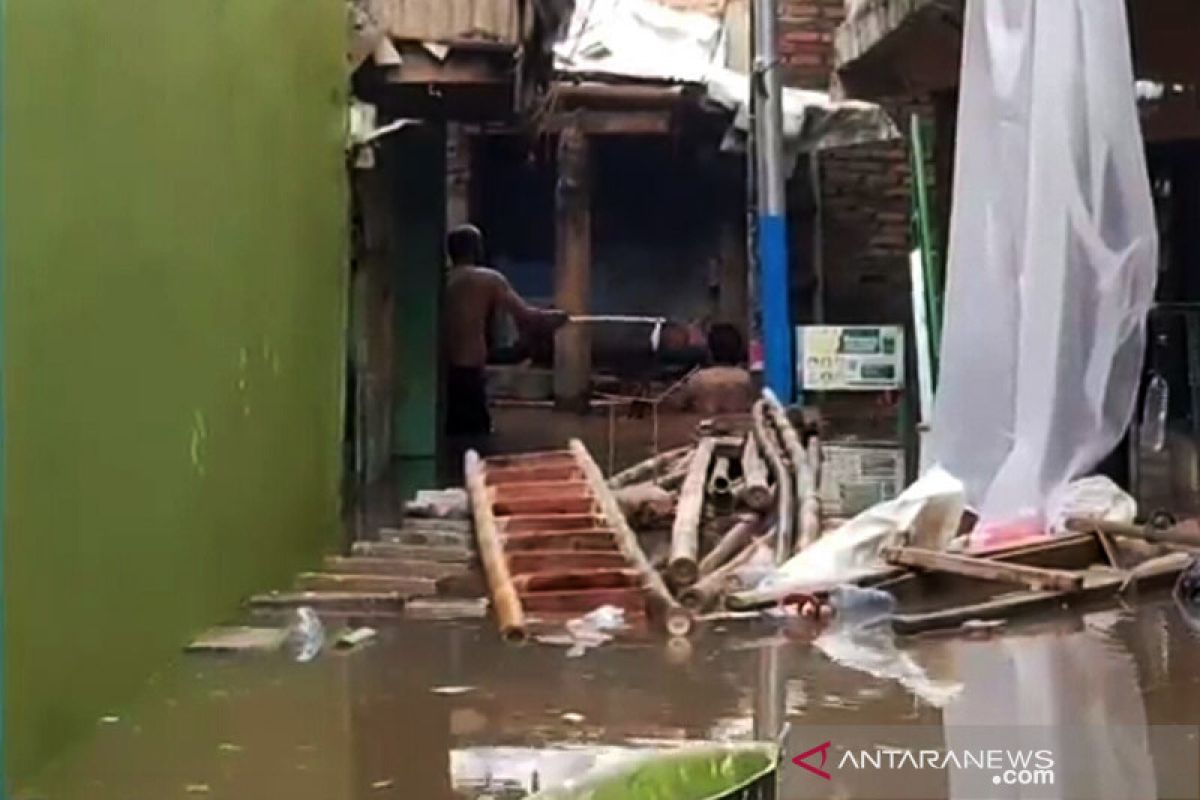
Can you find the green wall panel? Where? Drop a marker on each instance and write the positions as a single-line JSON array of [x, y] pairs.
[[174, 285]]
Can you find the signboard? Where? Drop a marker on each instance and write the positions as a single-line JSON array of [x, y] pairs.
[[850, 358], [855, 477]]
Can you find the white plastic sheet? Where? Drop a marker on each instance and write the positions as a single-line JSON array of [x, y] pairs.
[[1053, 252]]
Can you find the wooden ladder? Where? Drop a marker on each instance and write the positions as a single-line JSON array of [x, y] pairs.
[[555, 544]]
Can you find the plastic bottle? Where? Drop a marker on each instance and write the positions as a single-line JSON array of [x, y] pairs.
[[854, 605], [306, 636], [1154, 414]]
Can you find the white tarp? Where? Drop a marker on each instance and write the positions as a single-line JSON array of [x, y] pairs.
[[1053, 252], [645, 41]]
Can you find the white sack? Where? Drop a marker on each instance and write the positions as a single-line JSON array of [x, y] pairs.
[[927, 514], [1096, 497], [1053, 252]]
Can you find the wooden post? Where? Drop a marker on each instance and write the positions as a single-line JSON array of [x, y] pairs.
[[572, 274], [756, 493], [1037, 578], [505, 602], [685, 535], [678, 621]]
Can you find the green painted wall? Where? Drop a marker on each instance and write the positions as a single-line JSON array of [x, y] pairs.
[[174, 290]]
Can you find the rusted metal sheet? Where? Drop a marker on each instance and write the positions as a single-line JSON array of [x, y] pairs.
[[498, 21]]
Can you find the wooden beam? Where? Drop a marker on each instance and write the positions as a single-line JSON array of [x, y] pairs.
[[676, 619], [1036, 578], [510, 616], [732, 543], [768, 446], [609, 123], [573, 269], [685, 534]]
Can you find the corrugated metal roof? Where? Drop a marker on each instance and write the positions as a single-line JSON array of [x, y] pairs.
[[456, 20]]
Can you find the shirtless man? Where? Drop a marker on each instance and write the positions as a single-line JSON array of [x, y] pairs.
[[474, 294], [724, 387]]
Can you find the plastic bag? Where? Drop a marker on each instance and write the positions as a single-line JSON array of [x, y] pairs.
[[1096, 497], [926, 514]]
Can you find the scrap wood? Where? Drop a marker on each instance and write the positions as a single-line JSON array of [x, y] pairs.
[[358, 602], [685, 534], [361, 565], [506, 603], [447, 555], [1036, 578], [678, 621], [649, 469]]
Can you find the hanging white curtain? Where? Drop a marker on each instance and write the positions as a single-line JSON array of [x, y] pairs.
[[1053, 252]]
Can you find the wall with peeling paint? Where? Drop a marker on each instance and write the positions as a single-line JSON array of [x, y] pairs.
[[174, 299]]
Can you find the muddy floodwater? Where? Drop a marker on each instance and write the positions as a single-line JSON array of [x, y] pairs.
[[436, 710]]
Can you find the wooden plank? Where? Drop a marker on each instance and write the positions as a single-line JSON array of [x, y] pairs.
[[561, 540], [506, 603], [360, 565], [578, 579], [370, 584], [363, 602], [570, 505], [404, 552], [546, 458], [541, 560], [519, 491], [430, 538], [578, 602], [1036, 578], [675, 618], [500, 477], [547, 522], [685, 533]]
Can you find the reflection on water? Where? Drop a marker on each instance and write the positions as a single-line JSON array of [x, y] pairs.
[[369, 723]]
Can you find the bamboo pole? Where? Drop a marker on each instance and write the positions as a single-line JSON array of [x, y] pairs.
[[1036, 578], [705, 593], [756, 493], [808, 511], [506, 603], [685, 535], [732, 543], [649, 469], [720, 487], [784, 499], [1172, 536], [678, 621]]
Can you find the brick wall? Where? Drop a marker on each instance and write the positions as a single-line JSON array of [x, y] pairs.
[[865, 189]]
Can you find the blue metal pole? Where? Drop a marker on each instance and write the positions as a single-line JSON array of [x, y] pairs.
[[774, 283]]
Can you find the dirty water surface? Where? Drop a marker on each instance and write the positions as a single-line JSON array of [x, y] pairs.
[[445, 710]]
